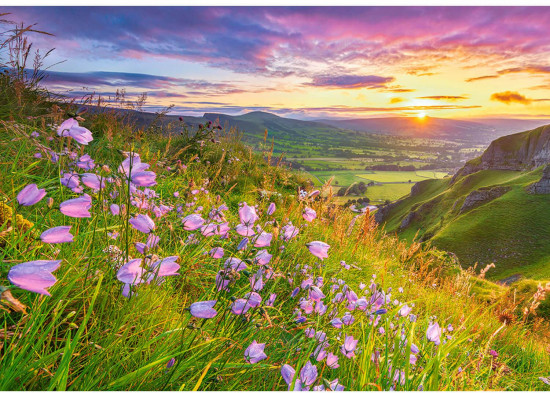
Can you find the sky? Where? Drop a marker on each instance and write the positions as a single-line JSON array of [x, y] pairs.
[[303, 62]]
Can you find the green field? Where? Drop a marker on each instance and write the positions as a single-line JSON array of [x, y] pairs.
[[389, 185]]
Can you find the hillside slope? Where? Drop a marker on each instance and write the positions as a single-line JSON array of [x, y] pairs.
[[494, 210]]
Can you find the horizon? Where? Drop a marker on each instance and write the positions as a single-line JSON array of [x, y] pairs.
[[305, 63]]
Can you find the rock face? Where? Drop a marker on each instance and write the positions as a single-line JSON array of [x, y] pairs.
[[408, 219], [525, 150], [543, 185], [481, 196]]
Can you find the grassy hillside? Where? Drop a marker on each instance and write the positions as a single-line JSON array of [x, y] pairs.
[[509, 231]]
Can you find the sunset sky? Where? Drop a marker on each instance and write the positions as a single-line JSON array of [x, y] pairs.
[[453, 62]]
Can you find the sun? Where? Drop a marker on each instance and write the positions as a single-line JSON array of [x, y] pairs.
[[421, 115]]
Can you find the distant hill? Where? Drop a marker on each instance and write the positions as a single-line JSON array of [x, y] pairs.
[[495, 210], [430, 127]]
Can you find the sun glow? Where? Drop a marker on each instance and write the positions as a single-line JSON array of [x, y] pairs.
[[421, 115]]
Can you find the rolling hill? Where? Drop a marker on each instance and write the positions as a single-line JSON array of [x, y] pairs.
[[344, 132], [495, 210], [484, 130]]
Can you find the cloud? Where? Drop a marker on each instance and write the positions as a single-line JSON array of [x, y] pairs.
[[510, 97], [396, 100], [444, 98], [399, 89], [278, 40], [529, 69], [478, 78], [350, 81]]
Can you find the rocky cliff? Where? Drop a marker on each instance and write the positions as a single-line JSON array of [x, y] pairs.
[[525, 150]]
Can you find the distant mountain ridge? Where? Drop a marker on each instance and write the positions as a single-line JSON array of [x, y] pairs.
[[483, 130], [255, 123]]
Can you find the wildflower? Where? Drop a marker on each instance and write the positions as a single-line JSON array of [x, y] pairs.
[[351, 296], [263, 240], [319, 249], [70, 128], [235, 263], [262, 257], [204, 309], [271, 209], [348, 319], [300, 319], [216, 252], [288, 374], [412, 359], [314, 193], [320, 336], [30, 195], [144, 178], [310, 332], [77, 207], [255, 353], [71, 181], [309, 214], [192, 222], [93, 181], [337, 323], [256, 282], [170, 363], [131, 272], [349, 346], [433, 333], [306, 306], [308, 374], [243, 244], [247, 215], [493, 353], [320, 307], [320, 353], [545, 380], [271, 299], [143, 223], [253, 298], [307, 282], [315, 293], [34, 276], [241, 306], [414, 349], [245, 230], [332, 361], [57, 235], [165, 267], [405, 310], [335, 386], [85, 162], [132, 164], [289, 232], [295, 292], [221, 281]]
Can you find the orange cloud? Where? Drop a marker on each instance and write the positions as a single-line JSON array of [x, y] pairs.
[[509, 97]]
